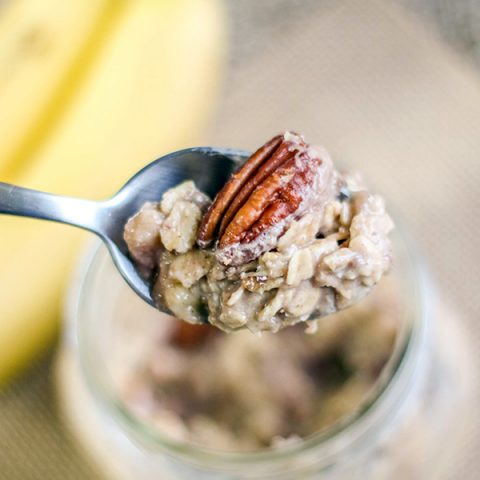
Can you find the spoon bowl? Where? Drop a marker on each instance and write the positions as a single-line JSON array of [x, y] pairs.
[[208, 167]]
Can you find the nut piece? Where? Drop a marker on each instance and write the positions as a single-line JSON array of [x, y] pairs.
[[279, 157], [273, 200], [189, 336], [222, 201], [276, 186]]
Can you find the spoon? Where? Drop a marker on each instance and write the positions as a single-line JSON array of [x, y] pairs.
[[208, 167]]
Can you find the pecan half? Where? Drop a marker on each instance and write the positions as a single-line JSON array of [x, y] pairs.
[[210, 222], [258, 203]]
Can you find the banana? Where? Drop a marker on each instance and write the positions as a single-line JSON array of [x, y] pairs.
[[148, 91], [44, 47]]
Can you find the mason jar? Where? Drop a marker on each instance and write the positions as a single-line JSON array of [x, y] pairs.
[[409, 427]]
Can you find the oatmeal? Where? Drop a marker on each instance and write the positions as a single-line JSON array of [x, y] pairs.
[[288, 239], [239, 392]]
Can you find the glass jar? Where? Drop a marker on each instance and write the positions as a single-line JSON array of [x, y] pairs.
[[419, 400]]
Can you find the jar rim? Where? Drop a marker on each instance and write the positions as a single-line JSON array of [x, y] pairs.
[[385, 396]]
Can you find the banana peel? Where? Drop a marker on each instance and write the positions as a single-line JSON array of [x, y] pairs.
[[44, 49], [147, 90]]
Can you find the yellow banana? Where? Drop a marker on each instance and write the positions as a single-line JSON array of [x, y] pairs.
[[44, 48], [147, 91]]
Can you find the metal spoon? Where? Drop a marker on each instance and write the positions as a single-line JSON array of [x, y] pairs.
[[208, 167]]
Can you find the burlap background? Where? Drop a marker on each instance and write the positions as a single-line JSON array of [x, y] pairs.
[[368, 82]]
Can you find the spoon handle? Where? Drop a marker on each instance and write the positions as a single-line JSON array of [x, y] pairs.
[[25, 202]]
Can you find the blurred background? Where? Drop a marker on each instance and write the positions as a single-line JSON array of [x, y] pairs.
[[91, 91]]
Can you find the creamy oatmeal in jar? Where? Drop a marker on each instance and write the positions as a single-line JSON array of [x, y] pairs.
[[287, 239], [370, 392], [241, 392]]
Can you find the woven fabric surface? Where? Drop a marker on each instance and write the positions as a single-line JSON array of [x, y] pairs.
[[367, 81]]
